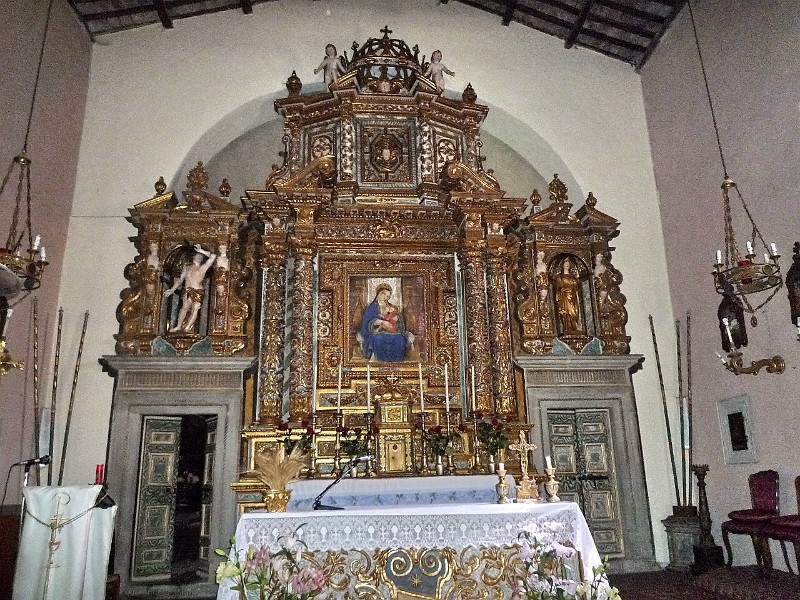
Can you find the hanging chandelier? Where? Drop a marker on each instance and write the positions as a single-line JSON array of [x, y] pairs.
[[738, 276], [23, 258], [735, 273]]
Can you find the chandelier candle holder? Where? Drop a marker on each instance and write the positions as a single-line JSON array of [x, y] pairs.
[[737, 277], [21, 270]]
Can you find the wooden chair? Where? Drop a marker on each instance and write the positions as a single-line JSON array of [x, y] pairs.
[[786, 528], [751, 521]]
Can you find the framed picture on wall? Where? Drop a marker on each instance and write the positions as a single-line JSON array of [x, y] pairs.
[[736, 426]]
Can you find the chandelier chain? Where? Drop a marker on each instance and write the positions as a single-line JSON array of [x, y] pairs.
[[38, 73]]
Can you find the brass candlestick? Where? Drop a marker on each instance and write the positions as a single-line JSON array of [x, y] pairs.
[[476, 447], [422, 442], [337, 456], [551, 486], [313, 471], [502, 487], [369, 471]]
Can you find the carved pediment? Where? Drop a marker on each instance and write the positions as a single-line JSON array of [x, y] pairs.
[[319, 173], [458, 177]]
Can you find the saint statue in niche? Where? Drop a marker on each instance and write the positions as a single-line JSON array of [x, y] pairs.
[[385, 331], [566, 286]]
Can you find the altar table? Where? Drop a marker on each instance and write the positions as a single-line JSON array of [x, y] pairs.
[[438, 551]]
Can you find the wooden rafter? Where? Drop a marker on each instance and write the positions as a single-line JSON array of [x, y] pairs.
[[579, 23], [163, 15], [511, 5]]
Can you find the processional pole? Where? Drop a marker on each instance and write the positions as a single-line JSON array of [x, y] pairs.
[[72, 398]]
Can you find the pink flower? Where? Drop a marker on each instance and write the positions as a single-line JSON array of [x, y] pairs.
[[259, 559], [306, 580]]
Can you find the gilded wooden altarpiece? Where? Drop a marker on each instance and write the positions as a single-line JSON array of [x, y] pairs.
[[381, 182]]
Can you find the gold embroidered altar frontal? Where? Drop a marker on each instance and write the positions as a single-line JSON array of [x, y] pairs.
[[453, 552]]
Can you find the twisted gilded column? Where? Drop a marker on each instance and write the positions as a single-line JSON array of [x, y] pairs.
[[270, 384], [478, 354], [499, 329], [302, 329]]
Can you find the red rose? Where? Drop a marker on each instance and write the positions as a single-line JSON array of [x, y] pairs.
[[495, 422], [283, 426], [357, 430], [462, 427], [375, 429], [478, 415], [305, 423], [310, 430], [340, 429]]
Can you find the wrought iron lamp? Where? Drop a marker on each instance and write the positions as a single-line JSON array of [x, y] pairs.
[[738, 276], [21, 267]]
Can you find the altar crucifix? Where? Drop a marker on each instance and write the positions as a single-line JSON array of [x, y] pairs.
[[527, 490]]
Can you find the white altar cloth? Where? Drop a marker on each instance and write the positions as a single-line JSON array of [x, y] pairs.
[[454, 526], [407, 491]]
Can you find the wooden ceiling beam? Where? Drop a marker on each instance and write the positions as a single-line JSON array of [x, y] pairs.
[[511, 6], [163, 14], [579, 23]]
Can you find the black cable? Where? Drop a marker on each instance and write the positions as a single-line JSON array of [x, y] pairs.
[[5, 488]]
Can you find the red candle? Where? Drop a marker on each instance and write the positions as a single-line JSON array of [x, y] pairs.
[[98, 475]]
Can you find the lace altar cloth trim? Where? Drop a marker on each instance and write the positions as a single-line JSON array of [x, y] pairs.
[[439, 526]]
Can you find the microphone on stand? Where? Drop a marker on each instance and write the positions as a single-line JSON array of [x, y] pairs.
[[317, 504], [42, 460]]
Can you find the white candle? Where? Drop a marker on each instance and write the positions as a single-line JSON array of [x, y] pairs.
[[36, 241], [766, 257], [773, 249], [421, 393], [472, 376], [369, 392], [719, 257], [446, 391], [548, 462], [501, 466], [749, 247], [42, 254], [339, 389], [727, 325]]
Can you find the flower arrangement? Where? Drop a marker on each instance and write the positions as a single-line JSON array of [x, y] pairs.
[[439, 441], [304, 441], [492, 433], [547, 577], [353, 442], [281, 575]]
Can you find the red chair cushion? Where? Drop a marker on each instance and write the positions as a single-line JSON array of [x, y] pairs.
[[777, 532], [752, 515], [744, 527], [787, 521]]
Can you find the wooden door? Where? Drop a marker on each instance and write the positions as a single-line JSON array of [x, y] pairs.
[[155, 507], [581, 447]]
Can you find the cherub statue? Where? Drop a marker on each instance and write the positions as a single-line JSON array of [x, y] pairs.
[[332, 65], [435, 70], [192, 278]]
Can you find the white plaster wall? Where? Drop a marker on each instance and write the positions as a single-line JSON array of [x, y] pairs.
[[154, 94], [750, 54]]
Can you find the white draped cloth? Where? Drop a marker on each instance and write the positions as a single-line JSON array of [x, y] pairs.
[[65, 545]]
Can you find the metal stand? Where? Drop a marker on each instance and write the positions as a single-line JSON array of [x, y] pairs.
[[313, 471]]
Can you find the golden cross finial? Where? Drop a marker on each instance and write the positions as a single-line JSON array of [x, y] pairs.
[[386, 31]]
